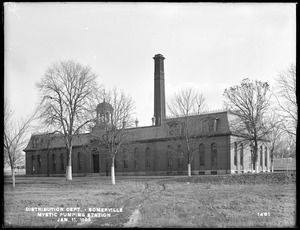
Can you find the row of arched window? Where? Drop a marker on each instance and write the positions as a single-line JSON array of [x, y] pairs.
[[214, 154], [174, 155], [171, 155], [54, 162], [179, 154], [136, 158], [148, 159], [236, 153], [241, 149]]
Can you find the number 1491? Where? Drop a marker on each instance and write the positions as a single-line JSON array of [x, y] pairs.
[[263, 214]]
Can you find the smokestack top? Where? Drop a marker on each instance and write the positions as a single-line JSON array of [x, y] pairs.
[[159, 56]]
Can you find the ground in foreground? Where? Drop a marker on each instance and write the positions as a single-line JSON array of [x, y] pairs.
[[200, 201]]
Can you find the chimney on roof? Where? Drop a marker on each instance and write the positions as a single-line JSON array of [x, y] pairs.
[[153, 120], [159, 89], [136, 122]]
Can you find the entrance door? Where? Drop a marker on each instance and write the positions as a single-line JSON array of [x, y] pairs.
[[96, 163]]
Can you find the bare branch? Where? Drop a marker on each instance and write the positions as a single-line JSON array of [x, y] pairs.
[[287, 100], [249, 103], [68, 91], [185, 127], [15, 137]]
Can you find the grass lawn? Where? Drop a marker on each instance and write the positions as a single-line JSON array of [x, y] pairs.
[[152, 202]]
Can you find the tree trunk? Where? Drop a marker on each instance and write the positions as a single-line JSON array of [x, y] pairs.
[[251, 163], [272, 159], [189, 170], [256, 156], [69, 165], [113, 179], [13, 177]]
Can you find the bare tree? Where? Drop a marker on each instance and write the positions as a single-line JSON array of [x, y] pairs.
[[275, 136], [286, 100], [111, 124], [15, 138], [184, 106], [249, 102], [68, 95]]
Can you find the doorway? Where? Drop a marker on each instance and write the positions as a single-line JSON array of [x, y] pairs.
[[96, 163]]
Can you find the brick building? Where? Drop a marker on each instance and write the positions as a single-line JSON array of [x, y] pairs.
[[150, 149]]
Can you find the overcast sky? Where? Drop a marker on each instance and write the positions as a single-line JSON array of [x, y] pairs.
[[209, 46]]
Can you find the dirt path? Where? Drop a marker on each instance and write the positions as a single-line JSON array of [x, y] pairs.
[[131, 205]]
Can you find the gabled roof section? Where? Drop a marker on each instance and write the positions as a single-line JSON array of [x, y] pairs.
[[197, 124], [146, 133], [45, 141]]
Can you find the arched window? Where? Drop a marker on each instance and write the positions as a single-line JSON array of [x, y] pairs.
[[148, 158], [216, 121], [241, 154], [211, 125], [169, 156], [125, 158], [39, 161], [266, 156], [202, 154], [170, 161], [136, 158], [53, 162], [261, 155], [79, 161], [32, 163], [62, 163], [204, 126], [214, 154], [235, 153], [179, 156], [34, 143]]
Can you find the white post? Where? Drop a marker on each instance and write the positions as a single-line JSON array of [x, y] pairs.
[[69, 173], [189, 169], [69, 165], [113, 180], [256, 166]]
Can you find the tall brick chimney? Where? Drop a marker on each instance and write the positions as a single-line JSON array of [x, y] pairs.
[[159, 89]]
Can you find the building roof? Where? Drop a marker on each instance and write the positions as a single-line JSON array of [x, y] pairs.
[[51, 141], [197, 124]]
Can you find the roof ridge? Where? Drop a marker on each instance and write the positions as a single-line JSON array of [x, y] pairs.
[[201, 113]]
